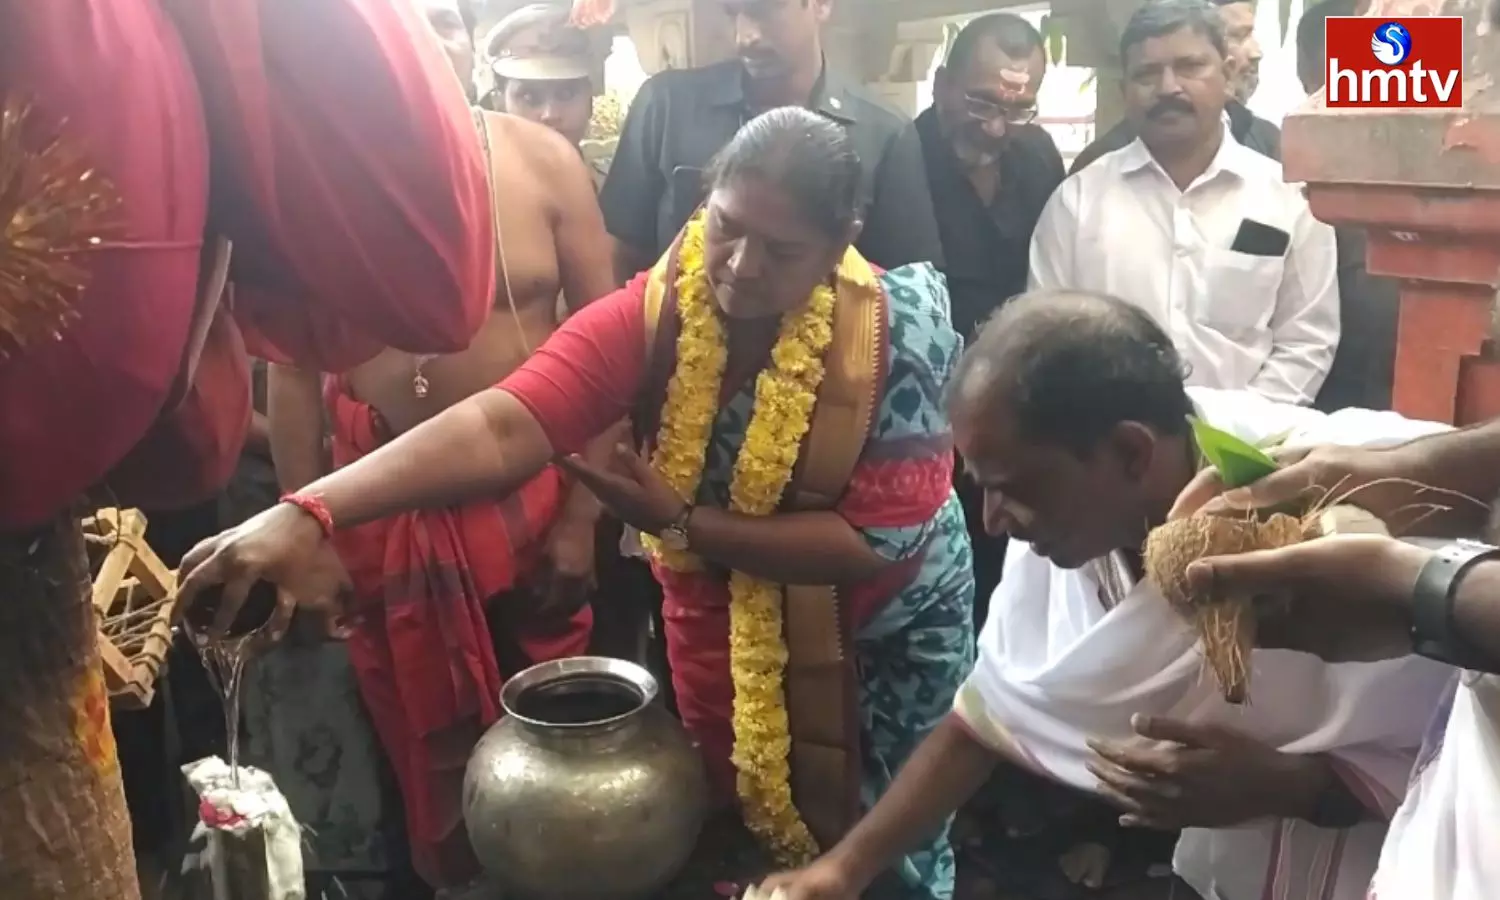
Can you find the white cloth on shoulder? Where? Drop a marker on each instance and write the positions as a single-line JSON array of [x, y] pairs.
[[1443, 841], [1058, 667]]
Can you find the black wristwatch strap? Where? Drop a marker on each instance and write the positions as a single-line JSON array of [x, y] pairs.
[[1433, 631]]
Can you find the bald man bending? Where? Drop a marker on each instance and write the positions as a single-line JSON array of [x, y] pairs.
[[1071, 414]]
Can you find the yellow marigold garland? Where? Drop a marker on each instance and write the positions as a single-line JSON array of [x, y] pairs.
[[785, 394], [692, 400]]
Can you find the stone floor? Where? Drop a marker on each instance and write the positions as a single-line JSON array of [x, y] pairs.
[[978, 887], [1011, 840], [728, 860]]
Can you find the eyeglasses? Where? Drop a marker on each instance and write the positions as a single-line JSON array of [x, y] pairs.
[[983, 109]]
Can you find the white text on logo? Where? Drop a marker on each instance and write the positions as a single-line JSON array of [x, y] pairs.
[[1409, 85]]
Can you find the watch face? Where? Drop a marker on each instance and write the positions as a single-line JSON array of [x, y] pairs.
[[674, 538]]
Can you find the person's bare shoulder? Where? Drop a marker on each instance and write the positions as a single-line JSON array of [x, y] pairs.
[[546, 154]]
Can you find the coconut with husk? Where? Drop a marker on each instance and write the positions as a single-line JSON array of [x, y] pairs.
[[1226, 622]]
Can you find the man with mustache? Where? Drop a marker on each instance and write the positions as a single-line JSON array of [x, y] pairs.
[[1195, 228], [991, 171], [681, 118], [1247, 128]]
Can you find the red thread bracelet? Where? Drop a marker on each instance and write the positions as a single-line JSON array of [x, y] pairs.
[[313, 505]]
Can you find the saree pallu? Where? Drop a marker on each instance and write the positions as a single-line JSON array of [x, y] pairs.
[[421, 646], [348, 174], [110, 81]]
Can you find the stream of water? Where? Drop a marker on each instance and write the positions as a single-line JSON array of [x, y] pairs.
[[224, 661]]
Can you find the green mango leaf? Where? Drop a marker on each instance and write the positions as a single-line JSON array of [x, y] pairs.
[[1239, 463], [1056, 36], [1284, 18]]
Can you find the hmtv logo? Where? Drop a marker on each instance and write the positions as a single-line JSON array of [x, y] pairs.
[[1412, 63]]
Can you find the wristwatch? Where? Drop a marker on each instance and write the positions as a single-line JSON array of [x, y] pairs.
[[1434, 634], [675, 536]]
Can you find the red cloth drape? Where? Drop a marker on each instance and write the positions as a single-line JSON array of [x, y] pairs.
[[421, 646], [349, 174], [192, 449], [111, 77]]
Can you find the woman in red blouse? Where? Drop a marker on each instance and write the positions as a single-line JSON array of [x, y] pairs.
[[885, 542]]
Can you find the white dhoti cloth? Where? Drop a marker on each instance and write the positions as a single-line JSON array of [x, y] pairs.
[[1444, 843], [1058, 666]]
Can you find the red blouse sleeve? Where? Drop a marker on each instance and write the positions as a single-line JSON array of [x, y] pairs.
[[589, 373]]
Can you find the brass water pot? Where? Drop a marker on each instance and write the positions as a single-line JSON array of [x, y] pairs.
[[587, 789]]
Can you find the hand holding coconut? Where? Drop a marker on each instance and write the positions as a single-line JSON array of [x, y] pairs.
[[1299, 477], [1299, 502], [1394, 484], [1344, 598]]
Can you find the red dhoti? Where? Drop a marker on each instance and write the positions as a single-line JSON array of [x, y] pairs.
[[421, 645]]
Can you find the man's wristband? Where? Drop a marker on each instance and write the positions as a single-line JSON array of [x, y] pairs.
[[1434, 630]]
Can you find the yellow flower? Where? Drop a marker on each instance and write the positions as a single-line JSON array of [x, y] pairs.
[[786, 393]]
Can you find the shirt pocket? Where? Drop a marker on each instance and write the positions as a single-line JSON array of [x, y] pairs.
[[1240, 291]]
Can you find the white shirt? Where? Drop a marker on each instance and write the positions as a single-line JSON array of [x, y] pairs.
[[1444, 842], [1269, 324]]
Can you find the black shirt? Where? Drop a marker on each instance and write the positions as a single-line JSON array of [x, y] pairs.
[[1364, 366], [987, 248], [1247, 128], [681, 118]]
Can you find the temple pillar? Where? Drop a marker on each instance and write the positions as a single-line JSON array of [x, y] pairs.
[[1425, 185], [899, 74], [676, 34], [1093, 29]]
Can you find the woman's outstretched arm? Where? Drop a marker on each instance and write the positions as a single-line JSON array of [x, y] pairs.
[[490, 444], [572, 388]]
